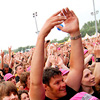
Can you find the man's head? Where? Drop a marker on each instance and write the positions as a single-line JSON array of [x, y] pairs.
[[49, 73], [6, 68], [8, 91], [19, 69], [54, 85]]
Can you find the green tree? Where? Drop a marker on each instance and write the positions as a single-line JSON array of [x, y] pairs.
[[54, 41], [89, 28]]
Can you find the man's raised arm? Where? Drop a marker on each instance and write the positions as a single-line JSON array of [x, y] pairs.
[[71, 26], [37, 91]]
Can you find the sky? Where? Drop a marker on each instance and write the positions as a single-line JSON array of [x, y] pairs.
[[18, 27]]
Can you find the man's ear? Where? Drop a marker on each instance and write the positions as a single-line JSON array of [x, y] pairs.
[[45, 86]]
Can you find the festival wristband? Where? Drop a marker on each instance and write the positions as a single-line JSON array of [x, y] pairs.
[[76, 37]]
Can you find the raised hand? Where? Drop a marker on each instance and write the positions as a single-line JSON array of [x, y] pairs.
[[97, 50], [51, 22], [71, 24], [2, 54], [53, 60], [9, 49], [59, 61]]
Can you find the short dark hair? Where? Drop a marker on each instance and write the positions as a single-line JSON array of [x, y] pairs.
[[48, 73], [5, 66], [17, 66]]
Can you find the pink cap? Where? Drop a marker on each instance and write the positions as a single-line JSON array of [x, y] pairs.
[[29, 68], [8, 76], [85, 51], [64, 71], [83, 96], [58, 48]]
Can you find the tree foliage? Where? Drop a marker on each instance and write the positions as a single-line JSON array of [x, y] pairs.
[[89, 28], [20, 49]]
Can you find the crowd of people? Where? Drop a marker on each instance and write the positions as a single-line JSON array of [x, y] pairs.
[[52, 71]]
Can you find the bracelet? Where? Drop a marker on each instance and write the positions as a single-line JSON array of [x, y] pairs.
[[97, 59], [76, 37]]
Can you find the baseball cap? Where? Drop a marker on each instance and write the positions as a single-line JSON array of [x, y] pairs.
[[29, 68], [64, 71]]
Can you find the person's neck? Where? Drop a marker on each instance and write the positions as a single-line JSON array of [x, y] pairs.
[[88, 89], [18, 74], [50, 95]]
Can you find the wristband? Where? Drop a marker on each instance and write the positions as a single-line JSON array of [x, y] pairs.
[[97, 59], [76, 37]]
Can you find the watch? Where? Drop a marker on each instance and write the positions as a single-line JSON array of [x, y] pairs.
[[97, 59]]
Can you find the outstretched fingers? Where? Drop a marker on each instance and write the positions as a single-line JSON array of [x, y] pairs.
[[73, 14], [65, 12], [59, 18]]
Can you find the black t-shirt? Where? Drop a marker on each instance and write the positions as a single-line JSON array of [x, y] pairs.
[[17, 79], [10, 71], [70, 93]]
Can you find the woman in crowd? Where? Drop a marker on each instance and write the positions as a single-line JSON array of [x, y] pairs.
[[88, 83], [23, 95], [25, 80]]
